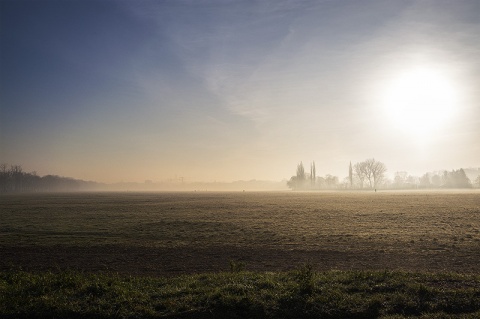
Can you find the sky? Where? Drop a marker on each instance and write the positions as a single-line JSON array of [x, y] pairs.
[[224, 90]]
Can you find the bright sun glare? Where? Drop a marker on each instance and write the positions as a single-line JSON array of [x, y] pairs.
[[419, 101]]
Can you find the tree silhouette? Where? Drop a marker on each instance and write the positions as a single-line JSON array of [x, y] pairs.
[[370, 170], [350, 174], [313, 174], [457, 179], [477, 181], [360, 172], [298, 181], [378, 170], [301, 172], [303, 182], [15, 180]]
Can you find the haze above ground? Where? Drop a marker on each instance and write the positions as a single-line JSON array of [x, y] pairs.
[[237, 90]]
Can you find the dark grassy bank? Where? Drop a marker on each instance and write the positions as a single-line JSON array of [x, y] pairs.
[[298, 294]]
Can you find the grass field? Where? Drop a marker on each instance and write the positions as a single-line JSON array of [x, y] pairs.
[[240, 255], [172, 233], [297, 294]]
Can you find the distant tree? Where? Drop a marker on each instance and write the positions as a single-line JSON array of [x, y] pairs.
[[3, 169], [313, 174], [424, 181], [369, 174], [14, 180], [375, 172], [412, 181], [350, 174], [4, 177], [331, 181], [462, 180], [400, 179], [477, 181], [301, 172], [370, 170], [360, 173], [457, 179], [436, 180], [445, 181], [345, 183], [298, 181], [16, 173], [301, 176], [292, 183], [320, 182]]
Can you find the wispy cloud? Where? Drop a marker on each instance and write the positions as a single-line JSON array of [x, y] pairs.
[[207, 83]]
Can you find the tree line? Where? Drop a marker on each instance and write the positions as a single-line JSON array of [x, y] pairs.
[[370, 174], [14, 180], [366, 174], [441, 179]]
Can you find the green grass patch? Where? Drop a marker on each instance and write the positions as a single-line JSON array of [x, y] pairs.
[[302, 293]]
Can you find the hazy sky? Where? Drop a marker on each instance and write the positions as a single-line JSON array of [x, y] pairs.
[[226, 90]]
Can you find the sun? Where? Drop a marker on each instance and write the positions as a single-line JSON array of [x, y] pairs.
[[420, 101]]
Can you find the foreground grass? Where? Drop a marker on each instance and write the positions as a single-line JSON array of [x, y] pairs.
[[298, 294]]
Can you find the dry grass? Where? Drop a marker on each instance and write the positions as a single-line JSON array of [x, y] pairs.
[[278, 230]]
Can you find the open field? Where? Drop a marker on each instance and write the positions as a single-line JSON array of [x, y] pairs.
[[177, 233]]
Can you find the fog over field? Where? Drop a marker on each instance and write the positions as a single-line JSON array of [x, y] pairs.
[[207, 93]]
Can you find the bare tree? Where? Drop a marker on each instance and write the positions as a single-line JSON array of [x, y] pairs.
[[4, 177], [375, 172], [370, 170], [369, 167], [360, 172]]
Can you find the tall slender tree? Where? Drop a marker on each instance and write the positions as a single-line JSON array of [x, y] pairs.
[[350, 174], [301, 171], [313, 173]]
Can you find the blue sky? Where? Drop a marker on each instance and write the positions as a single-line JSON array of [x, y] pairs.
[[227, 90]]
